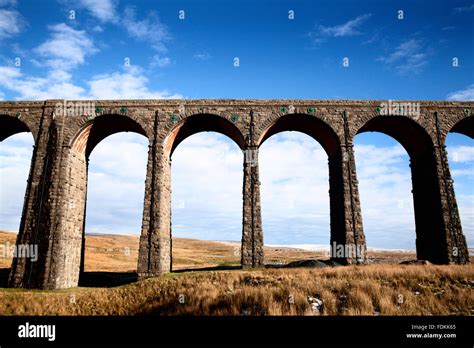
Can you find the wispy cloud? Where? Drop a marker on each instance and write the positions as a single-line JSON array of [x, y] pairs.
[[7, 2], [350, 28], [150, 29], [104, 10], [408, 57], [11, 23], [466, 94], [66, 48], [464, 9], [38, 88], [202, 56], [158, 61], [461, 154], [131, 83]]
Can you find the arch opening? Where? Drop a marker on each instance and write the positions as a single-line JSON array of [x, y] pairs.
[[465, 127], [10, 126], [460, 149], [100, 128], [385, 196], [294, 176], [109, 160], [15, 163], [405, 131], [16, 150], [429, 223], [203, 123], [206, 202]]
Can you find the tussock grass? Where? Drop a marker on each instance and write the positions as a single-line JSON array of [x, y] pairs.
[[376, 289], [352, 290]]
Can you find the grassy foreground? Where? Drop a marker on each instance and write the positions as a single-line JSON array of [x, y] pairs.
[[352, 290], [374, 289]]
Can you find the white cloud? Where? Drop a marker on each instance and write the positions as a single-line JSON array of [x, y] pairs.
[[466, 94], [202, 56], [294, 178], [38, 88], [408, 57], [160, 62], [104, 10], [461, 154], [7, 2], [149, 29], [11, 23], [15, 158], [116, 184], [66, 48], [466, 173], [350, 28], [464, 9], [97, 29], [129, 84], [385, 186], [347, 29]]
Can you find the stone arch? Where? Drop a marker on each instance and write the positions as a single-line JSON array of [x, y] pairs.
[[11, 125], [313, 126], [411, 135], [428, 211], [92, 132], [205, 122], [464, 126]]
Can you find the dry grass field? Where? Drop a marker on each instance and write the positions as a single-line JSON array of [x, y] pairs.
[[379, 288]]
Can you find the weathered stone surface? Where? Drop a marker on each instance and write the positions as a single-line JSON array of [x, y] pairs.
[[54, 206]]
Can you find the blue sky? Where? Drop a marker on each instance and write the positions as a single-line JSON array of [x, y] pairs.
[[142, 49]]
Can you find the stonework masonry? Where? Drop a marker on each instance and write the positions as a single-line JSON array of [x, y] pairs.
[[54, 207]]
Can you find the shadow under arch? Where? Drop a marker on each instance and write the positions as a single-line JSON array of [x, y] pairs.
[[202, 123], [464, 126], [82, 145], [10, 125], [429, 223], [412, 136]]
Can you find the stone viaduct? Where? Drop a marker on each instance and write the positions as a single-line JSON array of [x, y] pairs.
[[65, 133]]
